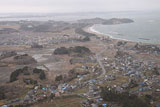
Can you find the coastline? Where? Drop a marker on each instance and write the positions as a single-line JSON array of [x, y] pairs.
[[90, 29]]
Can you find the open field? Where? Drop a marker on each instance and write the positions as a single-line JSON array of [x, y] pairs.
[[64, 101]]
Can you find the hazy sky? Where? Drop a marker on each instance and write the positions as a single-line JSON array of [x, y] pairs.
[[77, 5]]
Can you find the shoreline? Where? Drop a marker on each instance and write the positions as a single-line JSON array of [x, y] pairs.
[[108, 35], [90, 29]]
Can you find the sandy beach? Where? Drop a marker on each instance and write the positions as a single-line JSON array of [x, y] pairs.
[[90, 29]]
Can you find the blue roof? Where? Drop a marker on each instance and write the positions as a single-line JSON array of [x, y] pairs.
[[104, 105], [142, 83], [63, 88], [153, 47], [43, 88], [140, 89], [54, 91], [92, 81], [158, 105]]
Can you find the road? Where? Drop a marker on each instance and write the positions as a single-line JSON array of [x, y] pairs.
[[98, 58]]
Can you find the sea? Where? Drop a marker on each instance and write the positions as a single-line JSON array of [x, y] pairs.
[[145, 29]]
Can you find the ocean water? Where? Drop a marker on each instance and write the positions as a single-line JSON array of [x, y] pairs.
[[145, 29]]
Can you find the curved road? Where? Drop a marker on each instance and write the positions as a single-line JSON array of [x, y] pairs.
[[98, 58]]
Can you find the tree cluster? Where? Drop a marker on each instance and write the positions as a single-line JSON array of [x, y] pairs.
[[15, 74], [61, 51], [125, 99], [155, 71], [2, 95], [77, 49], [30, 81], [26, 71], [80, 49], [41, 73], [59, 78]]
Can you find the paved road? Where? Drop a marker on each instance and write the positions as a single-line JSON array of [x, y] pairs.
[[98, 58]]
